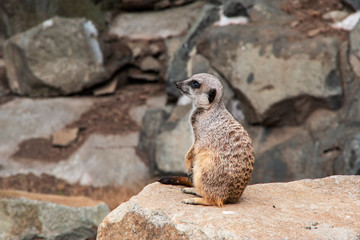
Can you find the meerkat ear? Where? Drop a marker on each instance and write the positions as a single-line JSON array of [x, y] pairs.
[[211, 95]]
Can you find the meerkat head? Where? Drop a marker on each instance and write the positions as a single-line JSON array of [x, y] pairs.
[[204, 89]]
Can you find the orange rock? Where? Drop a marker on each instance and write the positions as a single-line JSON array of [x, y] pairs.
[[65, 137]]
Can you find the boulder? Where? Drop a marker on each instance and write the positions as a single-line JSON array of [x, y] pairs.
[[58, 57], [150, 64], [355, 5], [152, 122], [264, 11], [325, 208], [117, 54], [4, 88], [38, 216], [155, 25], [297, 75], [138, 5], [234, 8], [18, 16], [284, 154], [354, 51], [351, 155], [174, 141], [323, 146]]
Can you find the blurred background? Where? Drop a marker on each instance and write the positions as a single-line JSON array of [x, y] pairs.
[[88, 105]]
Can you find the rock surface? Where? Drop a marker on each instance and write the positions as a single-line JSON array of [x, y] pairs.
[[20, 118], [17, 16], [4, 88], [289, 77], [58, 57], [65, 137], [354, 51], [325, 208], [174, 141], [155, 25], [136, 5], [37, 216], [113, 154]]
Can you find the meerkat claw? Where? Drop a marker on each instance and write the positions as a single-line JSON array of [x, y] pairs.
[[192, 191]]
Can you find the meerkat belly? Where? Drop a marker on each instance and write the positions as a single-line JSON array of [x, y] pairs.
[[220, 177]]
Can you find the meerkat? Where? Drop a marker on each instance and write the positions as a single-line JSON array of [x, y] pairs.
[[220, 161]]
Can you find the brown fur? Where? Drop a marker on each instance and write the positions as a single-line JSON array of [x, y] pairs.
[[221, 158]]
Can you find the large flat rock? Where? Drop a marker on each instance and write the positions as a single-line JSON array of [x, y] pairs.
[[155, 25], [294, 71], [327, 208], [26, 215], [25, 118]]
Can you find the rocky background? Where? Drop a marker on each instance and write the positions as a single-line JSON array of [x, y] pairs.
[[88, 105]]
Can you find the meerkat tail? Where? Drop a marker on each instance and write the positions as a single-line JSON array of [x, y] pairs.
[[175, 180]]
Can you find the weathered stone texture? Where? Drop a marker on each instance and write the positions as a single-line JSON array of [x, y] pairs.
[[309, 209]]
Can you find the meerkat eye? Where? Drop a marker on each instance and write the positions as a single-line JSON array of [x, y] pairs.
[[194, 84]]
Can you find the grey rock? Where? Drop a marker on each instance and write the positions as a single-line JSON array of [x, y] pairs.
[[234, 8], [117, 54], [352, 109], [139, 5], [177, 68], [4, 88], [150, 64], [294, 73], [351, 155], [58, 57], [173, 142], [25, 218], [155, 25], [17, 16], [137, 74], [114, 155], [266, 11], [263, 210], [323, 146], [354, 51], [354, 4], [20, 118], [284, 154], [151, 124], [335, 16]]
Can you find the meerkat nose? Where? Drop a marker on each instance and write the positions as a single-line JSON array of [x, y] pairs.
[[177, 84]]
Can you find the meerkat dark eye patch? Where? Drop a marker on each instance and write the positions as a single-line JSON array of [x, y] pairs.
[[211, 95], [194, 84]]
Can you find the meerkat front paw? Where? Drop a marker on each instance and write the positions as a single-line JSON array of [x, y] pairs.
[[197, 201], [192, 191]]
